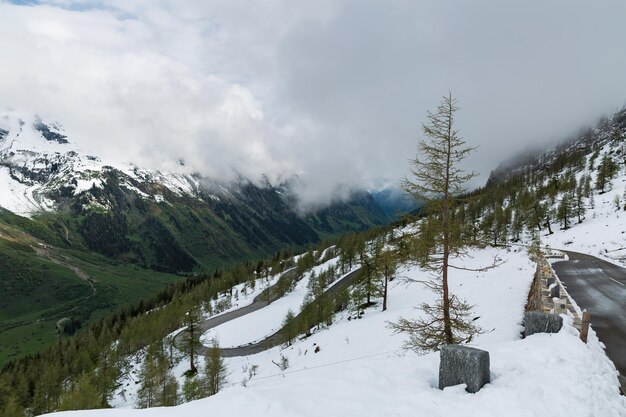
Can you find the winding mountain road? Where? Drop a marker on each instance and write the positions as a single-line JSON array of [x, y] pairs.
[[599, 287], [259, 302]]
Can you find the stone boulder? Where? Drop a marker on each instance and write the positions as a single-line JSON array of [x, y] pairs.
[[536, 322], [463, 365]]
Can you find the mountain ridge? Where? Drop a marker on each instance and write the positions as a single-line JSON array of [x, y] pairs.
[[162, 220]]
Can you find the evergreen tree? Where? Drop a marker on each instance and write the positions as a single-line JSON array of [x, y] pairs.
[[215, 371], [158, 385], [192, 388], [12, 408], [517, 226], [84, 395], [107, 373], [358, 298], [564, 211], [48, 389], [386, 264], [438, 180], [191, 339], [605, 173], [579, 204], [368, 280], [288, 328]]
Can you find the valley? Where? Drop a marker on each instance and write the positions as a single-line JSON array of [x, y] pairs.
[[300, 209]]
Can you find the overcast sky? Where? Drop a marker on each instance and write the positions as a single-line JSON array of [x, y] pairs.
[[332, 90]]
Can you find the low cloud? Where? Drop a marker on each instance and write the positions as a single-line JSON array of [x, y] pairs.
[[331, 91]]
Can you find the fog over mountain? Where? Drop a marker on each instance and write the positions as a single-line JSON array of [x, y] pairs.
[[333, 91]]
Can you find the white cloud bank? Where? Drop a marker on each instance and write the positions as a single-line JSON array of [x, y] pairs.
[[333, 91]]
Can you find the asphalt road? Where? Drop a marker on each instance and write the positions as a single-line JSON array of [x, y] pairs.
[[276, 338], [259, 302], [599, 287]]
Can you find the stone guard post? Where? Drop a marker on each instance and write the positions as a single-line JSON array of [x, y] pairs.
[[463, 365]]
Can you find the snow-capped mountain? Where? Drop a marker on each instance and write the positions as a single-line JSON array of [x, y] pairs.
[[164, 220], [39, 164]]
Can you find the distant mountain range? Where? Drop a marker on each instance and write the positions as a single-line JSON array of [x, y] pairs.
[[394, 201], [161, 220]]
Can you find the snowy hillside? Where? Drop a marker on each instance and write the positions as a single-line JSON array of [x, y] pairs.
[[39, 161], [603, 231], [357, 367]]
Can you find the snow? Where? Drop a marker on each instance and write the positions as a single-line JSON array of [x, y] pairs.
[[243, 294], [257, 326], [361, 370], [24, 148], [603, 231], [15, 195], [87, 184]]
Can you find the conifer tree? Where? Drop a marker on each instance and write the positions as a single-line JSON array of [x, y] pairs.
[[107, 373], [288, 328], [192, 388], [358, 298], [369, 275], [191, 341], [564, 211], [605, 173], [158, 385], [579, 204], [438, 179], [386, 264], [517, 226], [84, 395], [12, 408], [215, 371]]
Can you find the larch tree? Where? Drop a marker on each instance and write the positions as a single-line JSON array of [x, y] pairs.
[[158, 385], [191, 340], [437, 179], [215, 371], [289, 327], [564, 211], [385, 261]]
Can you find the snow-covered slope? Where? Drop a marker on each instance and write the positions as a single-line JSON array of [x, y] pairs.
[[603, 231], [266, 321], [357, 367], [38, 162]]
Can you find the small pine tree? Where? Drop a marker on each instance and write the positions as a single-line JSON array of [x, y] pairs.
[[191, 341], [12, 408], [288, 328], [605, 173], [564, 211], [192, 388], [82, 396], [579, 204], [386, 264], [215, 371], [358, 298], [158, 385]]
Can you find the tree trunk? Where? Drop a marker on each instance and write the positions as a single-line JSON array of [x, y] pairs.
[[192, 343], [385, 291], [447, 325]]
